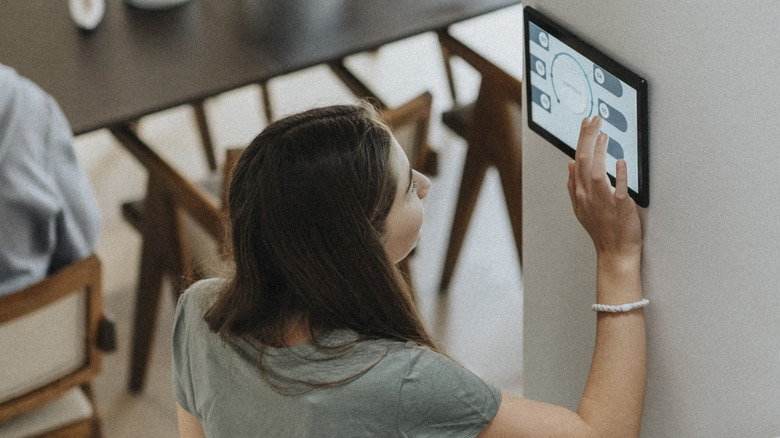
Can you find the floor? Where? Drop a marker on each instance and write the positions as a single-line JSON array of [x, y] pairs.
[[479, 320]]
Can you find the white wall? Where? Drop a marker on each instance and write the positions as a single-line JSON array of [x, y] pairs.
[[712, 230]]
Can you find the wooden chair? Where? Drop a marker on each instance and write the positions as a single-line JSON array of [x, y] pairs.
[[51, 335], [177, 203], [492, 131]]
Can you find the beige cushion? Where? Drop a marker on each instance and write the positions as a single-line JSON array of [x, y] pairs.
[[43, 346]]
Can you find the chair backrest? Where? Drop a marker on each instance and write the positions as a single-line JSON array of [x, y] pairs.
[[207, 254], [49, 337], [409, 122], [498, 78]]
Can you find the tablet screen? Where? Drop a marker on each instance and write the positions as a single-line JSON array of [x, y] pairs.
[[568, 80]]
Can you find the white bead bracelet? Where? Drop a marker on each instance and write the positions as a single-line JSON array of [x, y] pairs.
[[621, 308]]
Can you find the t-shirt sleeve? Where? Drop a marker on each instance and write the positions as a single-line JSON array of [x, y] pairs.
[[441, 398], [182, 377]]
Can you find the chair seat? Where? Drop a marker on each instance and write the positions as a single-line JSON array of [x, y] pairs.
[[133, 210], [71, 408]]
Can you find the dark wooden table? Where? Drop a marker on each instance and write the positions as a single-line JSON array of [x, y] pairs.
[[138, 62]]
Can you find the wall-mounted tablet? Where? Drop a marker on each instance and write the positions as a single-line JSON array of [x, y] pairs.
[[568, 80]]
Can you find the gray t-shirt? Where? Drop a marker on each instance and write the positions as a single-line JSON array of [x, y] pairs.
[[410, 390]]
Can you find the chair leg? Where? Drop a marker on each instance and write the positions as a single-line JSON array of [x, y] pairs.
[[266, 98], [156, 246], [474, 170], [447, 57], [205, 134], [492, 141], [510, 169], [146, 307], [96, 422]]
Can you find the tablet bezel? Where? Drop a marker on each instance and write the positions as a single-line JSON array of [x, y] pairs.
[[613, 67]]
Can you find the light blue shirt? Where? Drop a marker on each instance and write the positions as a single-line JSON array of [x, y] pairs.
[[48, 213], [389, 388]]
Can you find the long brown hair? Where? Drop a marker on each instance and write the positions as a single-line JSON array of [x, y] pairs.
[[308, 202]]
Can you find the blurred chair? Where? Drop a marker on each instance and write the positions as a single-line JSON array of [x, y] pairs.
[[169, 250], [51, 337], [491, 128]]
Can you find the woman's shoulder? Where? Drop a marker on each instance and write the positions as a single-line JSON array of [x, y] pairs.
[[423, 361], [201, 294], [423, 369], [195, 301]]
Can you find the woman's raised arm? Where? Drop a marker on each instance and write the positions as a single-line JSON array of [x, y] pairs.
[[613, 399]]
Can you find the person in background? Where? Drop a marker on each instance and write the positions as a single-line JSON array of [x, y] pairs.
[[48, 213], [316, 333]]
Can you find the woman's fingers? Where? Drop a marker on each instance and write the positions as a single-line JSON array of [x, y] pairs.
[[609, 216], [599, 158], [621, 180], [585, 146]]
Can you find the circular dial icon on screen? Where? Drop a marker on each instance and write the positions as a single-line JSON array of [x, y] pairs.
[[570, 84]]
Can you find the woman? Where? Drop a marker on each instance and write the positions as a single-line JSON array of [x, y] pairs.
[[317, 334]]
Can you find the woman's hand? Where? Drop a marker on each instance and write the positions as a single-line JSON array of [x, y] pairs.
[[608, 215]]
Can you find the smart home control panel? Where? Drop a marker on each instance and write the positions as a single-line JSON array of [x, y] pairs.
[[568, 80]]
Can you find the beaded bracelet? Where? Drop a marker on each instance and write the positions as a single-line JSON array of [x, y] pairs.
[[621, 308]]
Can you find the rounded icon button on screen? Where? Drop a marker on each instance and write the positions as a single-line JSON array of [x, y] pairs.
[[543, 39], [540, 68], [599, 74], [545, 100], [604, 110]]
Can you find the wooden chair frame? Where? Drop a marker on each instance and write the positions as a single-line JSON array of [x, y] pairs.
[[81, 275], [494, 140], [169, 195]]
